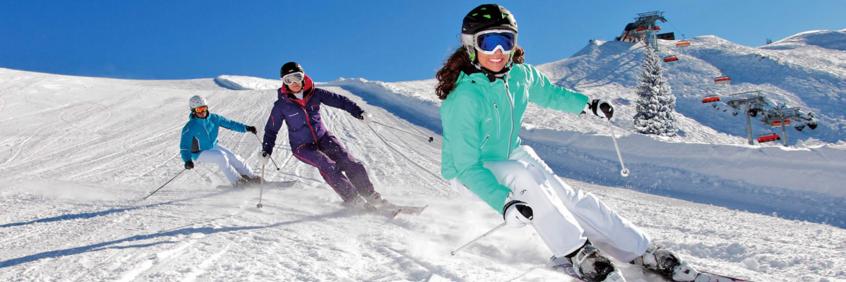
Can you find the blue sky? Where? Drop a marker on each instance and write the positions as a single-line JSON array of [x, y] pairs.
[[378, 40]]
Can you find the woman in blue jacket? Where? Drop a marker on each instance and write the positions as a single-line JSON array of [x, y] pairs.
[[199, 143]]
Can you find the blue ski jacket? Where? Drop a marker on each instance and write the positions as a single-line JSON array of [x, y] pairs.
[[200, 134]]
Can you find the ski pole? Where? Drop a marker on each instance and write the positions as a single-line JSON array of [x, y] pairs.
[[623, 170], [453, 252], [269, 157], [430, 138], [261, 187], [163, 185]]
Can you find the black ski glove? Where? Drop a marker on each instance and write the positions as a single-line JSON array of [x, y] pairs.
[[265, 154], [252, 129], [359, 115], [189, 165], [596, 106], [517, 213]]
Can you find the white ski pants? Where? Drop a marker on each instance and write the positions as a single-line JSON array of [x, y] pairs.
[[565, 217], [231, 164]]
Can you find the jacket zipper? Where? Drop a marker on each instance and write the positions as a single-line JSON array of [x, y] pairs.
[[498, 121], [308, 122], [511, 131]]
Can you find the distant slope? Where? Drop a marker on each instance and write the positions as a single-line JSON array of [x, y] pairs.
[[828, 39], [806, 70]]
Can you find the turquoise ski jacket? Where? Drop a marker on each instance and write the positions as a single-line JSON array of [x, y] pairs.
[[200, 134], [481, 122]]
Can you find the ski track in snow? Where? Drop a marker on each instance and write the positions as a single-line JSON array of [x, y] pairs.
[[71, 211]]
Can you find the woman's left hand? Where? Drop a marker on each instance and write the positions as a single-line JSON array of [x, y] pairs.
[[597, 105]]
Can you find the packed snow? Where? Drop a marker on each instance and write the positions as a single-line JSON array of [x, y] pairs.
[[77, 154]]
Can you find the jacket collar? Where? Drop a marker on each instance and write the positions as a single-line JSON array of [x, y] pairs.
[[192, 116], [491, 76]]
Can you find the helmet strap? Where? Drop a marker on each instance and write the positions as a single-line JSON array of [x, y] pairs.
[[492, 76]]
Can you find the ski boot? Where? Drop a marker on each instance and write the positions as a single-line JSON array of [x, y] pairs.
[[588, 265], [246, 181], [376, 199], [251, 180], [666, 263], [358, 203]]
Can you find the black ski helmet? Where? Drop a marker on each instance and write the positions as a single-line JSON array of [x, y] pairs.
[[290, 67], [488, 16]]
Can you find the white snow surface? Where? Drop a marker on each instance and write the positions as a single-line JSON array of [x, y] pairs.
[[77, 154]]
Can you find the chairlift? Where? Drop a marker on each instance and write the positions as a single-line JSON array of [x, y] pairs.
[[768, 138], [722, 80], [683, 43], [670, 58], [778, 123], [711, 99]]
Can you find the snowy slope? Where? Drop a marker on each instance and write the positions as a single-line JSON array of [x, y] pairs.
[[78, 152]]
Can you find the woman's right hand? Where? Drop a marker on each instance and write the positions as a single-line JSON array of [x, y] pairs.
[[517, 214]]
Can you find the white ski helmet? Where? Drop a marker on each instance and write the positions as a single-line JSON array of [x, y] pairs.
[[196, 101]]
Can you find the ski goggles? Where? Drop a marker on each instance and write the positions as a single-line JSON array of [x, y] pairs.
[[490, 40], [201, 109], [294, 77]]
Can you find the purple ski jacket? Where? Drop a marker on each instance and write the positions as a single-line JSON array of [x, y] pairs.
[[302, 116]]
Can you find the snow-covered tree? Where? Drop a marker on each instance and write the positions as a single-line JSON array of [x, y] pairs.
[[655, 102]]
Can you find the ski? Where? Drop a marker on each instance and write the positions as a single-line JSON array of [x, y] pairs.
[[390, 210], [409, 210], [283, 183], [267, 184], [393, 210], [705, 276]]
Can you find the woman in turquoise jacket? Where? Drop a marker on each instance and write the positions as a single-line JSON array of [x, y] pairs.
[[199, 143], [485, 87]]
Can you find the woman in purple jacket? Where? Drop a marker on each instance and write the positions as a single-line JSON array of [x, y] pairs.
[[298, 105]]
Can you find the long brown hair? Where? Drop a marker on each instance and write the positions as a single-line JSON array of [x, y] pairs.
[[448, 74]]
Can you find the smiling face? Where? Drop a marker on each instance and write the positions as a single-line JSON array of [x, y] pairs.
[[295, 87], [495, 62]]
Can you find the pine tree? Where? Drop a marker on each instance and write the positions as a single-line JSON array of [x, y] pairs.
[[655, 103]]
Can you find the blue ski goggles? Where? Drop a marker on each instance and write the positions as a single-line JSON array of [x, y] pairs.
[[488, 41]]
